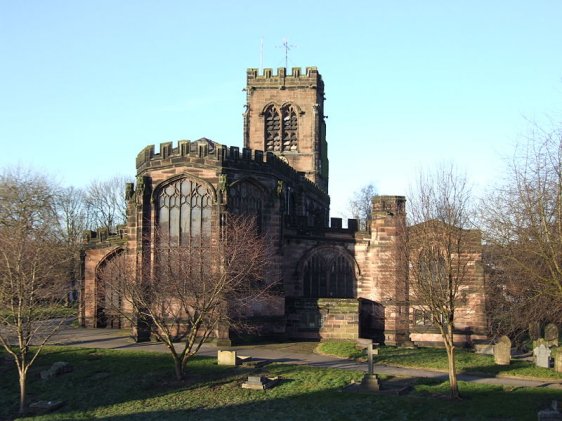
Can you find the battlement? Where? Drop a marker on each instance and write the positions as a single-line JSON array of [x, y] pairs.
[[206, 151], [388, 205], [103, 238], [296, 72], [310, 78]]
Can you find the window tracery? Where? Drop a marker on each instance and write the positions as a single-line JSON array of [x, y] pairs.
[[184, 212], [328, 275], [245, 198], [281, 129], [290, 127], [272, 129]]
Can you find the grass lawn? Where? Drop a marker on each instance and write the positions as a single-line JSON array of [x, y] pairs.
[[135, 385], [434, 358]]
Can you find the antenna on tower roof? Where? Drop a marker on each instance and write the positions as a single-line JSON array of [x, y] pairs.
[[261, 54]]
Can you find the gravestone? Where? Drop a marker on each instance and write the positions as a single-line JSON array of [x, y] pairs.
[[370, 381], [551, 334], [542, 356], [260, 382], [534, 330], [226, 358], [502, 351], [58, 368]]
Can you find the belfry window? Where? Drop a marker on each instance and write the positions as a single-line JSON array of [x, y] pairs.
[[281, 129], [290, 126], [184, 212], [272, 129], [328, 275]]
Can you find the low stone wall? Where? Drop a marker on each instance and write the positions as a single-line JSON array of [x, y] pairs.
[[324, 318]]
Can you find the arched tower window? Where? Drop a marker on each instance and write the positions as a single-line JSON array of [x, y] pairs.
[[272, 133], [281, 129], [328, 275], [290, 128], [184, 212]]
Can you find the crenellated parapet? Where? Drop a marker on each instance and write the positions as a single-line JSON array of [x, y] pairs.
[[208, 152], [102, 238], [310, 78]]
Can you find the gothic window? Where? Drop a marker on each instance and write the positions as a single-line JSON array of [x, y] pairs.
[[272, 129], [281, 129], [184, 212], [245, 198], [290, 126], [328, 275]]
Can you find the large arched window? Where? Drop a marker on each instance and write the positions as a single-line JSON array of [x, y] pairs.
[[246, 198], [184, 212], [328, 274]]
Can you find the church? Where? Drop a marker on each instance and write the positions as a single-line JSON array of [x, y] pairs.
[[338, 281]]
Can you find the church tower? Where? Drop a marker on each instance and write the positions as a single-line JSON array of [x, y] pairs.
[[285, 115]]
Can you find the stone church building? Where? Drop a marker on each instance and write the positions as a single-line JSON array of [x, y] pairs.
[[338, 282]]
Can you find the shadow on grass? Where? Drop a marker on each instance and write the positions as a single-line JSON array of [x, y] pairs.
[[136, 385]]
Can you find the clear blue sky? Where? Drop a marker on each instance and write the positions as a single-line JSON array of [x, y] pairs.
[[85, 85]]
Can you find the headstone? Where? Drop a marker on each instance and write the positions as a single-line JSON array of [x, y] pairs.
[[551, 334], [260, 382], [58, 368], [226, 358], [542, 356], [534, 330], [45, 406], [502, 351]]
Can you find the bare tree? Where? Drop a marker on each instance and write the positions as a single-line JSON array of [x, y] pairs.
[[106, 204], [194, 289], [435, 249], [360, 205], [523, 219], [71, 209], [32, 259]]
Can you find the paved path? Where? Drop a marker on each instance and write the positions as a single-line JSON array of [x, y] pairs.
[[294, 353]]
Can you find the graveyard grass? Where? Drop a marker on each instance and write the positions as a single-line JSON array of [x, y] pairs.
[[436, 359], [141, 385]]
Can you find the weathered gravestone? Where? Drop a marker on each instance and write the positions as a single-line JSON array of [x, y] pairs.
[[551, 335], [502, 351], [260, 382], [370, 381], [542, 356], [226, 358], [534, 330], [58, 368]]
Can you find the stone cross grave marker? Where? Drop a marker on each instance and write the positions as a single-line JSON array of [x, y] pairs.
[[370, 381], [502, 351], [551, 334], [542, 356]]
